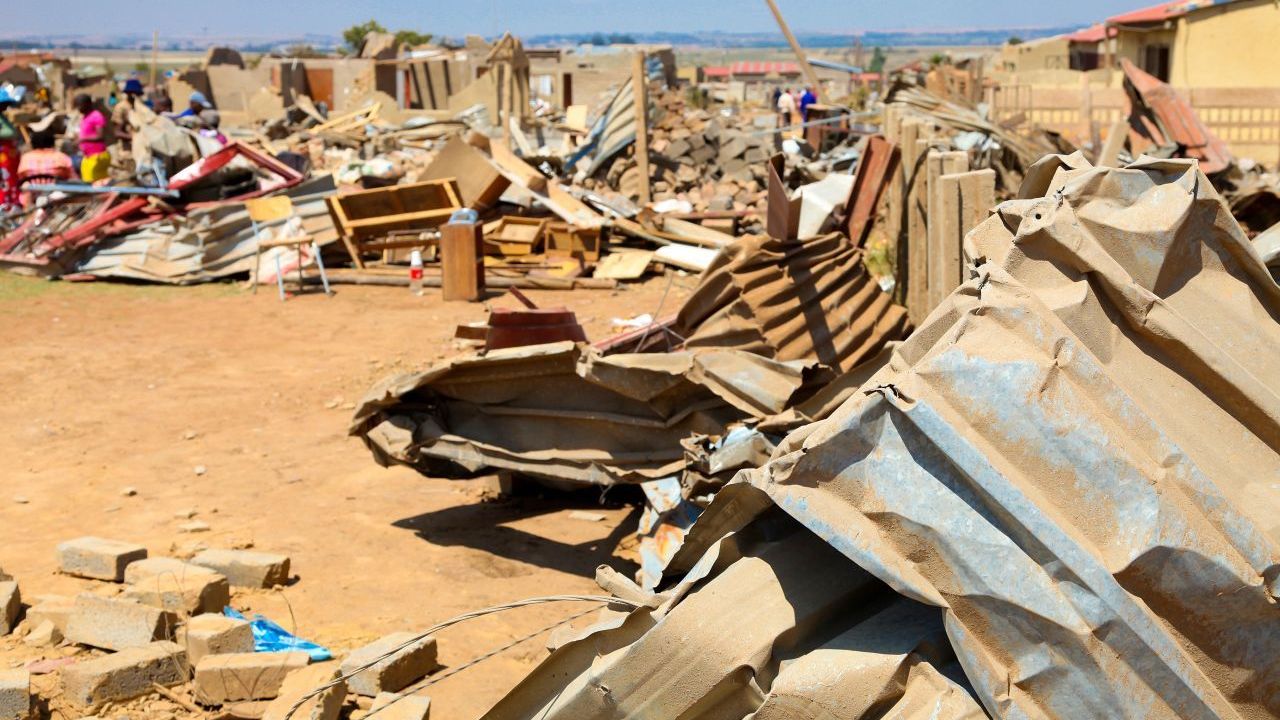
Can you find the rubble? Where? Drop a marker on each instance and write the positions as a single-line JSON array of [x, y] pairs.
[[198, 593], [390, 706], [130, 673], [235, 677], [958, 420], [97, 558], [879, 524], [10, 606], [404, 665], [114, 624], [246, 568], [214, 634], [298, 683], [15, 694]]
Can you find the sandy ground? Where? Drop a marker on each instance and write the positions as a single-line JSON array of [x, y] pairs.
[[104, 384]]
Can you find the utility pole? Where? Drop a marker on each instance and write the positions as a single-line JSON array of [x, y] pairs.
[[805, 67], [155, 58]]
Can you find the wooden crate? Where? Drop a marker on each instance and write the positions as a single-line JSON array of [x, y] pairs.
[[563, 239], [513, 236]]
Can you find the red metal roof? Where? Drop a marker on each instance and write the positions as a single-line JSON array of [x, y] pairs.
[[1090, 34], [1163, 11], [715, 71], [756, 67]]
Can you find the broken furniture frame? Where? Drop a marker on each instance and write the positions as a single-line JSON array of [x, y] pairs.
[[364, 219]]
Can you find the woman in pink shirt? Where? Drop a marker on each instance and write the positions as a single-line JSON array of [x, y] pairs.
[[95, 162]]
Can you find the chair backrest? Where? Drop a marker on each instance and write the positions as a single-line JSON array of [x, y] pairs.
[[269, 209]]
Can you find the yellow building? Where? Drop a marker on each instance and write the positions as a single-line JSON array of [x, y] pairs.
[[1203, 43]]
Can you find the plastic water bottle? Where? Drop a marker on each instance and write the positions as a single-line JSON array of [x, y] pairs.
[[415, 272]]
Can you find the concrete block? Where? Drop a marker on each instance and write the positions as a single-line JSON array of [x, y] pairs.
[[56, 609], [325, 706], [244, 568], [15, 695], [394, 673], [222, 679], [190, 595], [391, 706], [97, 558], [117, 624], [124, 675], [215, 635], [46, 634], [153, 566], [10, 606]]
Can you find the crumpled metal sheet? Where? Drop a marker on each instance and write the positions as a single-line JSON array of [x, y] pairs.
[[774, 624], [204, 245], [791, 300], [564, 411], [1074, 459]]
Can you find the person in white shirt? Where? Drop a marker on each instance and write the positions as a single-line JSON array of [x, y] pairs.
[[786, 108]]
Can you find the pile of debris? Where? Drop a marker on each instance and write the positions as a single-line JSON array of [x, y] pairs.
[[155, 637], [1026, 512]]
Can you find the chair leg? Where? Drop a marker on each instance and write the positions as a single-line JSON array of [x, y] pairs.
[[324, 279], [253, 273], [257, 257], [279, 278]]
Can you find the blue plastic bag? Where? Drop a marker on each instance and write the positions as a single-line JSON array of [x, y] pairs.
[[270, 637]]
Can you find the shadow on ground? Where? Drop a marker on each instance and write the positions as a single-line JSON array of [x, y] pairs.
[[480, 526]]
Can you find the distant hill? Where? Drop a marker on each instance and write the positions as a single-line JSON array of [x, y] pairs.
[[892, 38]]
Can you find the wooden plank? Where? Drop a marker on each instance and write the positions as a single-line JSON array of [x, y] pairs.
[[917, 231], [965, 200], [941, 259], [462, 262], [640, 92]]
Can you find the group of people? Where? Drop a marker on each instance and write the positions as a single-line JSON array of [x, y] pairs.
[[793, 105], [98, 134]]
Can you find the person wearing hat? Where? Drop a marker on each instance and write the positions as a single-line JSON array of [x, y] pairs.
[[43, 163], [121, 115], [196, 105]]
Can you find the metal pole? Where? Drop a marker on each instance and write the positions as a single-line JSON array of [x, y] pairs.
[[805, 67]]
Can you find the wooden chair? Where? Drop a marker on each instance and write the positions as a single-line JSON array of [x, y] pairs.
[[279, 209]]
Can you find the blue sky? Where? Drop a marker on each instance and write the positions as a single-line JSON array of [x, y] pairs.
[[288, 17]]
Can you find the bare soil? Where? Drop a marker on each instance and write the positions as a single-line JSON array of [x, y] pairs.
[[236, 406]]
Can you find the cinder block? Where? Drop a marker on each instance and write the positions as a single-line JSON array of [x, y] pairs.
[[10, 606], [97, 558], [325, 706], [124, 675], [117, 624], [391, 706], [56, 609], [15, 695], [394, 673], [153, 566], [191, 595], [215, 635], [222, 679], [244, 568]]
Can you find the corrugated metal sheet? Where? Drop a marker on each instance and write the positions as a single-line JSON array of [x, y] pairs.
[[792, 299], [1074, 460], [1175, 120], [564, 412]]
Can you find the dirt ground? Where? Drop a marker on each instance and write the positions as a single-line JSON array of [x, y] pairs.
[[236, 406]]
